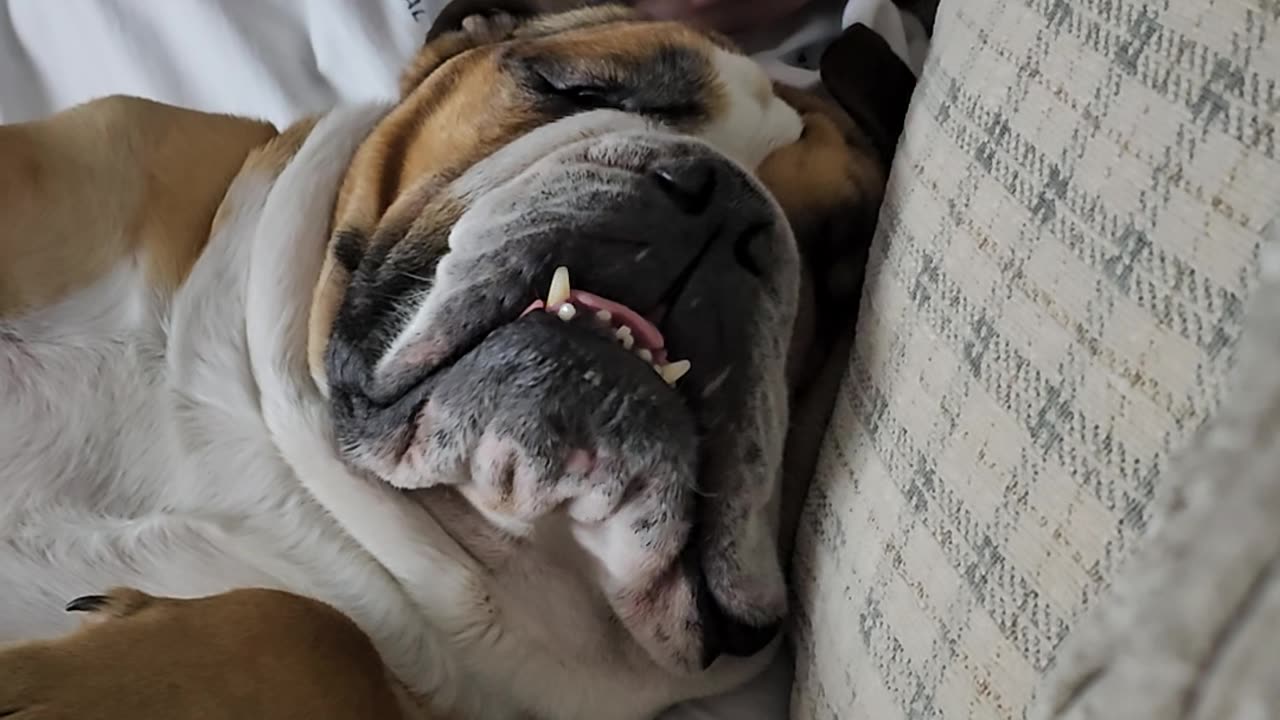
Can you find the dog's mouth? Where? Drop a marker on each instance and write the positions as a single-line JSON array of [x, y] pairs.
[[634, 332]]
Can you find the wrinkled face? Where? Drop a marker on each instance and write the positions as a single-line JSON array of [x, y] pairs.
[[558, 285]]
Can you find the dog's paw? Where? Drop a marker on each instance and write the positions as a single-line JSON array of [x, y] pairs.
[[48, 679], [117, 603]]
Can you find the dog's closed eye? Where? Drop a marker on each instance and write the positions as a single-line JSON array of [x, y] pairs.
[[585, 96], [580, 87]]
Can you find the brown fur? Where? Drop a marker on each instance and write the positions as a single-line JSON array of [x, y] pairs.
[[86, 188], [458, 106], [272, 157], [242, 654]]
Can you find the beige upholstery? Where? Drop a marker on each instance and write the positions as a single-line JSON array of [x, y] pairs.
[[1191, 628], [1054, 303]]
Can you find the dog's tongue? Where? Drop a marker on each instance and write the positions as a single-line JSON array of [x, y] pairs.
[[646, 333], [633, 330]]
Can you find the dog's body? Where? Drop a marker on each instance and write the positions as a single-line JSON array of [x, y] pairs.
[[201, 489], [188, 412], [191, 495]]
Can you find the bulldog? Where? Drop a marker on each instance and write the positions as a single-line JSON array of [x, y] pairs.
[[490, 402]]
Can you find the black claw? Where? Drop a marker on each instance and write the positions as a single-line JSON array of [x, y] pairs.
[[88, 603]]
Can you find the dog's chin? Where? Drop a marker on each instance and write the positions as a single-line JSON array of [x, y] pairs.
[[578, 373], [556, 388], [547, 416]]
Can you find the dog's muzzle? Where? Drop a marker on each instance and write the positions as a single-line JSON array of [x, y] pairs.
[[604, 341]]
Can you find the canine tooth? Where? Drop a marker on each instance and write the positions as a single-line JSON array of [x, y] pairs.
[[672, 372], [604, 316], [624, 336], [559, 291], [645, 355], [567, 312]]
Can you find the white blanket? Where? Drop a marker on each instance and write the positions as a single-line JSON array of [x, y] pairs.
[[279, 60]]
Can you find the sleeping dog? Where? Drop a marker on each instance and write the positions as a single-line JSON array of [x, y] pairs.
[[477, 404]]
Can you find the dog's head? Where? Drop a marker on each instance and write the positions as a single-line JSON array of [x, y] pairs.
[[712, 228]]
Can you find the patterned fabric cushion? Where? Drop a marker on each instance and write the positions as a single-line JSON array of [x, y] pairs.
[[1190, 629], [1052, 304]]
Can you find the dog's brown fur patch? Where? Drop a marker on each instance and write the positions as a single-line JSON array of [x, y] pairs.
[[242, 654], [85, 189]]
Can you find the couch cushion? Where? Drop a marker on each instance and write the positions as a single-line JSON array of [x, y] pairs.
[[1191, 627], [1053, 301]]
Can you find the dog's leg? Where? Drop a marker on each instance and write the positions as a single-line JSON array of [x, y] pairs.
[[94, 186], [244, 654]]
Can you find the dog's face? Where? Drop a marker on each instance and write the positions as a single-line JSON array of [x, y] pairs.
[[638, 401]]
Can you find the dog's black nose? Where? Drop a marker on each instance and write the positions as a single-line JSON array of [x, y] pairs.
[[689, 182]]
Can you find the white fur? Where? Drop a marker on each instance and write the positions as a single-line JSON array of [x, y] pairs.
[[756, 121], [179, 446]]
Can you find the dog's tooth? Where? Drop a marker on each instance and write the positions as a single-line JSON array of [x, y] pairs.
[[567, 312], [604, 316], [559, 291], [645, 355], [624, 336], [672, 372]]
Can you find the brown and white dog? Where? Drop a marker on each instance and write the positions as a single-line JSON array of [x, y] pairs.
[[339, 364]]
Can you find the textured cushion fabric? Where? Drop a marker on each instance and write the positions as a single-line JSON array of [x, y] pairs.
[[1053, 302], [1191, 627]]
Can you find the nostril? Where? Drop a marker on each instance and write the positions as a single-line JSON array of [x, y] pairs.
[[690, 183]]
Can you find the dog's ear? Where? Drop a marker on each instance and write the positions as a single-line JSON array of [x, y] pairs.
[[831, 181], [871, 83]]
